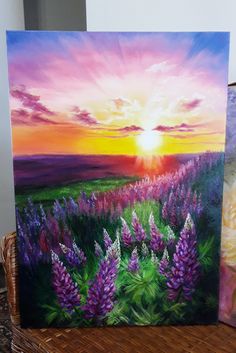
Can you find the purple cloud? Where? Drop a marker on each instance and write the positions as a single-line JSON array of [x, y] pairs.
[[30, 101], [177, 128], [84, 117], [20, 117], [24, 117], [187, 106], [37, 118], [131, 128]]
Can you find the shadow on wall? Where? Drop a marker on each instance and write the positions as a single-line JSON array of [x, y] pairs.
[[55, 15]]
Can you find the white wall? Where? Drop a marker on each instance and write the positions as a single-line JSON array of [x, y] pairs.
[[11, 17], [165, 15]]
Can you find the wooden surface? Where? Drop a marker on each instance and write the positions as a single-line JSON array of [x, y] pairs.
[[169, 339], [187, 339]]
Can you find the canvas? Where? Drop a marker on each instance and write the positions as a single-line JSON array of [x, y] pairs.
[[228, 241], [118, 142]]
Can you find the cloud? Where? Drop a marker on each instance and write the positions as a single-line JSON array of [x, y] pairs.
[[120, 102], [121, 109], [177, 128], [20, 117], [24, 117], [37, 118], [131, 128], [84, 117], [30, 101], [189, 105], [163, 66]]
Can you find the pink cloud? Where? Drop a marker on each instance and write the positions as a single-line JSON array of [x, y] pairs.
[[131, 128], [84, 117], [190, 105], [177, 128], [24, 117], [30, 101], [120, 102], [20, 117]]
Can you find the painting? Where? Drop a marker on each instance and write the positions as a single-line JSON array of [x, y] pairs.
[[228, 241], [118, 144]]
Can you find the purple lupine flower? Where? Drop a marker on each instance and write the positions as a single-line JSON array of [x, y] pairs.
[[79, 252], [156, 242], [173, 219], [182, 193], [185, 271], [66, 290], [58, 211], [92, 199], [133, 265], [42, 213], [154, 259], [165, 211], [100, 299], [107, 239], [144, 250], [126, 233], [164, 263], [114, 250], [137, 227], [171, 241], [72, 206], [98, 250], [71, 257], [199, 206]]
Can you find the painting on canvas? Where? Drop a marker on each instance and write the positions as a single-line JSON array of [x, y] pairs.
[[118, 143], [228, 239]]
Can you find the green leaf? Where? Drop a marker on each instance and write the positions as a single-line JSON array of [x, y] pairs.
[[118, 314], [206, 253], [148, 316]]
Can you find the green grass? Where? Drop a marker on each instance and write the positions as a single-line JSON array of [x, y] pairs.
[[143, 211], [48, 195]]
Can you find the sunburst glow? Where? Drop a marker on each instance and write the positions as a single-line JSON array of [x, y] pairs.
[[149, 140]]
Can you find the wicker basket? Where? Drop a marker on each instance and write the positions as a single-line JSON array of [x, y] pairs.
[[189, 339]]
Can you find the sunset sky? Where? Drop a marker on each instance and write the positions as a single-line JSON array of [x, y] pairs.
[[117, 93]]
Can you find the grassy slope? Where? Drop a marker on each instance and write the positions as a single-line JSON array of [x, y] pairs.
[[47, 195]]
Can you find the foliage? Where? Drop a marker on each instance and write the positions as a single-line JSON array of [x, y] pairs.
[[120, 253]]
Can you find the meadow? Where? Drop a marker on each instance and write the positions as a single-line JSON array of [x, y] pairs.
[[47, 195], [123, 251]]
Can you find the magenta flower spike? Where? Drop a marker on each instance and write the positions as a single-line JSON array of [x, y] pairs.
[[164, 263], [66, 290], [98, 250], [70, 256], [126, 235], [137, 227], [79, 252], [100, 299], [107, 239], [133, 265], [156, 242], [185, 269]]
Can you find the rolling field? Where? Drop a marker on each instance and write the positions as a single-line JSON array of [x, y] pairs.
[[47, 195]]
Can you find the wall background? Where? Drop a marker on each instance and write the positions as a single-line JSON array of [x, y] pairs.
[[11, 17], [165, 15]]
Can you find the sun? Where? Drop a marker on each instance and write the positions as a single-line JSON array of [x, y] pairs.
[[149, 140]]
